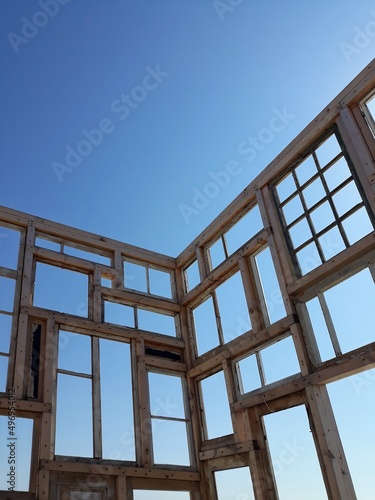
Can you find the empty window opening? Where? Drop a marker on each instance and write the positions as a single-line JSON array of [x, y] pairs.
[[74, 436], [119, 314], [269, 288], [20, 453], [270, 364], [247, 227], [116, 412], [4, 362], [368, 107], [7, 289], [42, 242], [9, 247], [205, 326], [354, 416], [192, 277], [321, 206], [215, 402], [156, 322], [87, 255], [217, 253], [233, 311], [234, 483], [61, 290], [35, 360], [341, 316], [293, 455], [160, 283], [135, 277], [168, 418]]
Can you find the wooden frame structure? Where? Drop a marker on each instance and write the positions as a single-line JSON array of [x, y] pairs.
[[56, 477]]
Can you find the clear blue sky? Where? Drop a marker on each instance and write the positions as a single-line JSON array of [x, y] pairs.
[[228, 70]]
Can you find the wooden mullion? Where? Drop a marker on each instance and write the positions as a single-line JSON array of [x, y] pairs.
[[96, 399], [329, 322]]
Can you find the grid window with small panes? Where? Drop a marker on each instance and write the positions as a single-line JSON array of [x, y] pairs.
[[321, 206]]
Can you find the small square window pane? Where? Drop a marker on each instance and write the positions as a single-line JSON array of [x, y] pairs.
[[328, 150], [216, 253], [332, 243], [293, 209], [248, 374], [346, 198], [337, 173], [286, 187], [170, 444], [280, 360], [313, 193], [308, 258], [322, 217], [9, 247], [357, 225], [300, 233], [306, 170]]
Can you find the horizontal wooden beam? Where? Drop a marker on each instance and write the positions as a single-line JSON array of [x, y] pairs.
[[163, 363], [245, 343], [145, 301], [226, 451], [103, 330], [26, 406], [118, 470]]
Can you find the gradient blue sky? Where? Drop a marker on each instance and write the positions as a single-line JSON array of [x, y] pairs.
[[227, 73]]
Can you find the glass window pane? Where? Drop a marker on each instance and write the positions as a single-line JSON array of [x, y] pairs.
[[306, 170], [247, 227], [61, 290], [166, 450], [346, 198], [117, 418], [293, 209], [337, 173], [294, 459], [216, 253], [206, 333], [300, 233], [155, 322], [313, 193], [215, 402], [248, 374], [74, 435], [279, 360], [233, 307], [270, 285], [118, 314], [135, 277], [331, 243], [328, 150], [322, 217], [234, 484], [166, 398], [9, 247], [160, 283], [160, 495], [4, 360], [357, 225], [74, 352], [286, 187]]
